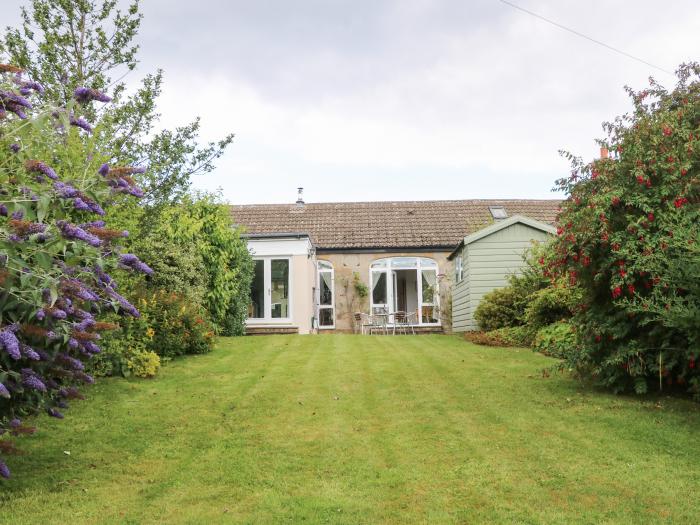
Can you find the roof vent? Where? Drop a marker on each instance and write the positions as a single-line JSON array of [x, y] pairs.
[[300, 197], [498, 212]]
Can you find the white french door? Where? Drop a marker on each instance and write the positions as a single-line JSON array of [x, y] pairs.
[[405, 284], [270, 297]]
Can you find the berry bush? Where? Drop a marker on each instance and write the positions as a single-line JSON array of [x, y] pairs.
[[628, 242]]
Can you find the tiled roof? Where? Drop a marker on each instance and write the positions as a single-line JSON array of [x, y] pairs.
[[401, 224]]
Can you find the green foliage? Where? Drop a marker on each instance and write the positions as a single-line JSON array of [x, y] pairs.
[[206, 224], [628, 242], [556, 340], [170, 325], [143, 364], [551, 304], [520, 336], [65, 44], [500, 308], [361, 289]]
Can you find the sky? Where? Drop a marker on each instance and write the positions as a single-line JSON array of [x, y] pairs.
[[401, 100]]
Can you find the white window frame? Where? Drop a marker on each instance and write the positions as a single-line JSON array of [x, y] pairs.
[[267, 280], [459, 269], [419, 268], [320, 306]]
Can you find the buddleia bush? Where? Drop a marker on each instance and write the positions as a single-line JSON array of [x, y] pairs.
[[628, 242], [56, 252]]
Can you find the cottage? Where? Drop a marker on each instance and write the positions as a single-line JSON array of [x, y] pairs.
[[316, 264]]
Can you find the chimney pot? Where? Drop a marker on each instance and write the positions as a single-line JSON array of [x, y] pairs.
[[300, 198]]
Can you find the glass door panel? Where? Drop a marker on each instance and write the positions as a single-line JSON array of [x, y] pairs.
[[256, 308], [428, 296], [279, 288]]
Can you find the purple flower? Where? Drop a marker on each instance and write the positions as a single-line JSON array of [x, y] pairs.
[[84, 95], [29, 353], [57, 313], [4, 392], [27, 86], [104, 170], [73, 343], [15, 423], [13, 237], [54, 413], [82, 376], [3, 210], [4, 471], [129, 260], [9, 98], [81, 123], [16, 109], [18, 215], [72, 362], [40, 167], [93, 224], [14, 148], [65, 190], [40, 314], [80, 204], [9, 342], [70, 231], [31, 380], [96, 208], [125, 305], [90, 347], [51, 335]]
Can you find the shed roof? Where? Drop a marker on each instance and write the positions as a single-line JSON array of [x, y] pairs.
[[501, 225], [386, 224]]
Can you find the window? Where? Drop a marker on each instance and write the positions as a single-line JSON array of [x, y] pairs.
[[498, 212], [325, 299], [459, 269], [270, 290], [405, 284]]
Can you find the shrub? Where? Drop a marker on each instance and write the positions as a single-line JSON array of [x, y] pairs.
[[222, 258], [551, 304], [500, 308], [143, 364], [175, 325], [54, 255], [556, 340], [628, 241], [521, 336]]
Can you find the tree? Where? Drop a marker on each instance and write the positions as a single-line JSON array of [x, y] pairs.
[[67, 44], [628, 240]]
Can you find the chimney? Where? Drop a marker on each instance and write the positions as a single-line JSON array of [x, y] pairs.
[[603, 153], [300, 197]]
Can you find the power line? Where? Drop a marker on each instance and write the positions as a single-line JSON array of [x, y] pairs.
[[560, 26]]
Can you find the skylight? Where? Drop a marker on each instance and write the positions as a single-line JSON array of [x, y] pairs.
[[498, 212]]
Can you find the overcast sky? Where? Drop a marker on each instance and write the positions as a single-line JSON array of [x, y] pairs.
[[412, 99]]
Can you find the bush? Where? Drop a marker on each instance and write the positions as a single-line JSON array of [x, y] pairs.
[[520, 336], [628, 242], [170, 325], [54, 255], [500, 308], [143, 364], [551, 304], [556, 340]]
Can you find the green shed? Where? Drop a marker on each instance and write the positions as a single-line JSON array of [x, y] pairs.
[[484, 260]]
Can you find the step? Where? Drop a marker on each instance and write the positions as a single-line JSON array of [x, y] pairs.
[[271, 330]]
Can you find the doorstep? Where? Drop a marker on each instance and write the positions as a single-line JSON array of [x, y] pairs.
[[262, 329]]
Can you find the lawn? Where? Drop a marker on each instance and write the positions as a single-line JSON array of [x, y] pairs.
[[353, 429]]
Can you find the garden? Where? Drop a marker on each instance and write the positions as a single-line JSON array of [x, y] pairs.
[[576, 403]]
